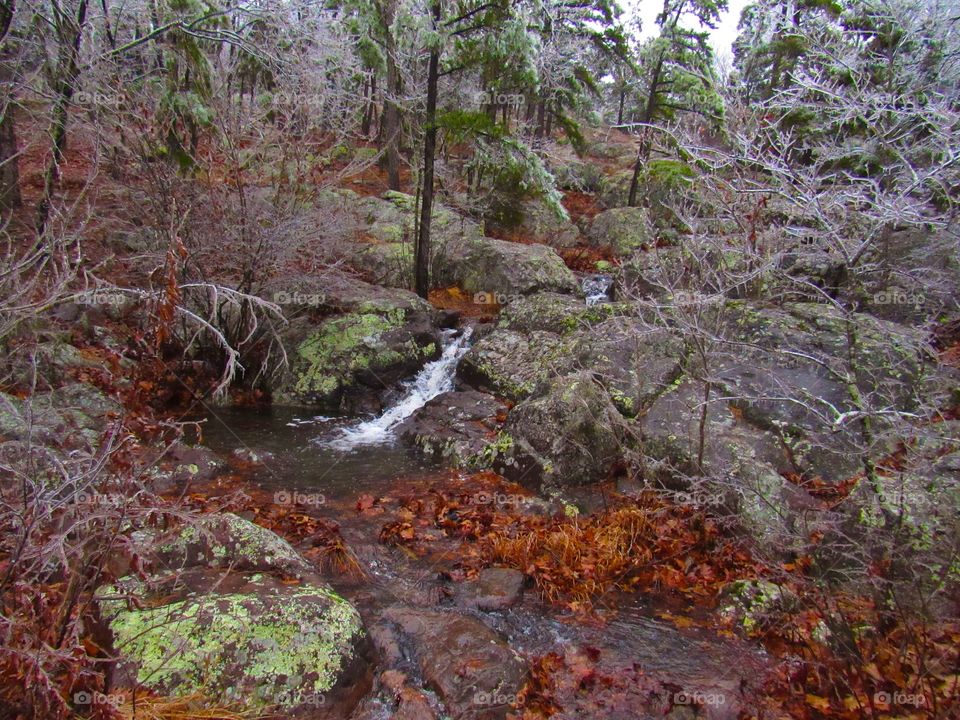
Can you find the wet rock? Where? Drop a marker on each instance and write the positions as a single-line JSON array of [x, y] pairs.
[[247, 638], [623, 230], [413, 704], [471, 668], [455, 425], [510, 364], [495, 589], [356, 354], [569, 433]]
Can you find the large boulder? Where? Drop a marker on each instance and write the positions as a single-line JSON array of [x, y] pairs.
[[634, 362], [247, 638], [539, 222], [381, 336], [75, 415], [569, 433], [623, 230], [510, 363], [557, 313], [793, 372], [227, 608], [455, 426], [223, 540], [501, 268]]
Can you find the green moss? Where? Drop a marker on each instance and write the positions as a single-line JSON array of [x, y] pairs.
[[328, 359]]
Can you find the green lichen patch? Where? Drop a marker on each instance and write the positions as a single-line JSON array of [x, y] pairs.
[[329, 360], [268, 646]]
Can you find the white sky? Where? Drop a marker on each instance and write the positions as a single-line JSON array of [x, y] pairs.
[[722, 38]]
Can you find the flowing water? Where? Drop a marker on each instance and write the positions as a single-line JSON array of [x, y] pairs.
[[343, 458], [596, 288], [434, 379]]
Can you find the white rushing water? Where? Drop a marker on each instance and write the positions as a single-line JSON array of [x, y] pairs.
[[435, 378], [597, 288]]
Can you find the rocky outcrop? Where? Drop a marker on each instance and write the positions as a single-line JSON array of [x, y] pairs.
[[510, 363], [377, 337]]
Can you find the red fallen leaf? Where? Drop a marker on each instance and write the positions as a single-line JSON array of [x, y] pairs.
[[365, 502]]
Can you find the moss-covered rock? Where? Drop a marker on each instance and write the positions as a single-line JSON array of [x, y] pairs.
[[510, 363], [622, 229], [540, 223], [506, 268], [258, 642], [557, 313], [568, 434], [355, 353], [223, 540]]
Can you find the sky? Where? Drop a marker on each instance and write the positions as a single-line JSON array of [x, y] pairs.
[[722, 38]]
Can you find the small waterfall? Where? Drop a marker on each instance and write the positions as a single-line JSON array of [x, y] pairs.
[[597, 288], [435, 378]]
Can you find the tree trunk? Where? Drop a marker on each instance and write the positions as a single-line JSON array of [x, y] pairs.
[[390, 126], [623, 98], [69, 36], [9, 164], [649, 113], [422, 267]]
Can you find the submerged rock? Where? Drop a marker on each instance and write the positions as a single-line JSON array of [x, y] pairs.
[[467, 664], [496, 588]]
